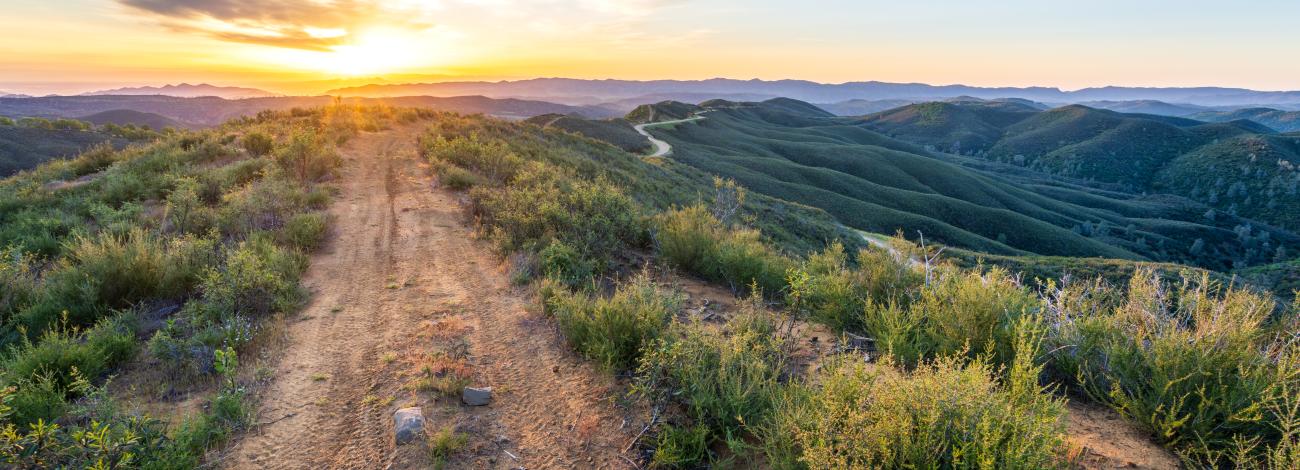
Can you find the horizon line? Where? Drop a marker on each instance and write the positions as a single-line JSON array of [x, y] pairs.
[[379, 81]]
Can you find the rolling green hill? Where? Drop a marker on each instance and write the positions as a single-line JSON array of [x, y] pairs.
[[950, 126], [1281, 121], [664, 111], [22, 147], [124, 117], [1238, 167], [615, 131], [872, 182]]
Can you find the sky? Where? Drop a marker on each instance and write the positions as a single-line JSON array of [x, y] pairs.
[[302, 46]]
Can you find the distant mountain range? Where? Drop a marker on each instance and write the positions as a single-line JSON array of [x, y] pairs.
[[186, 90], [578, 91], [209, 111]]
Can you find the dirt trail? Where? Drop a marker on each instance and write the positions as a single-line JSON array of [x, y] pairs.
[[661, 148], [400, 278], [1105, 440]]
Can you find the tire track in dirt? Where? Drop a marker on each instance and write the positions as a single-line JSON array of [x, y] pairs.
[[398, 264]]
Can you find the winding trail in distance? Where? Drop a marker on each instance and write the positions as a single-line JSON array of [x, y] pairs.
[[882, 242], [661, 148]]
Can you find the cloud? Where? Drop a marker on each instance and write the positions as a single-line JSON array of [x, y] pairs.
[[282, 23], [298, 24]]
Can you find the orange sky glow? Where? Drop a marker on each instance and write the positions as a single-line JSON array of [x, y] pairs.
[[307, 46]]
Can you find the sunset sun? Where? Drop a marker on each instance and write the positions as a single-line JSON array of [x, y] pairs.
[[373, 52], [369, 52]]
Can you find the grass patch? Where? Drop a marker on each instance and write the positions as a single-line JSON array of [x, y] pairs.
[[444, 444]]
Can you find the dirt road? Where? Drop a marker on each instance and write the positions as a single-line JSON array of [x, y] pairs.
[[402, 280], [661, 148]]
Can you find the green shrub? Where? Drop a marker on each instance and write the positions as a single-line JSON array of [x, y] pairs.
[[307, 156], [948, 413], [264, 205], [226, 414], [54, 368], [613, 331], [256, 279], [185, 210], [113, 272], [305, 231], [542, 205], [1195, 363], [36, 123], [725, 379], [835, 294], [959, 312], [563, 263], [95, 249], [18, 282], [258, 144], [681, 447], [444, 443], [693, 240], [490, 157], [457, 178], [97, 441], [94, 160]]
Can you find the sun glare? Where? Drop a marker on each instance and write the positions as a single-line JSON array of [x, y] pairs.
[[372, 52]]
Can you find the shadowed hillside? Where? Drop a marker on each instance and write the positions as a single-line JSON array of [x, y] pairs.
[[28, 142]]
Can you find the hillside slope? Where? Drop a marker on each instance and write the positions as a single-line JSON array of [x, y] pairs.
[[124, 117], [618, 132], [871, 182], [950, 126], [23, 148], [1281, 121], [1237, 166]]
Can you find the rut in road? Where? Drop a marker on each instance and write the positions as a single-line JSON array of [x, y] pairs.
[[402, 276]]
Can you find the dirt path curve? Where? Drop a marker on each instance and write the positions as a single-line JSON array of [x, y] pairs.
[[400, 278], [661, 148]]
